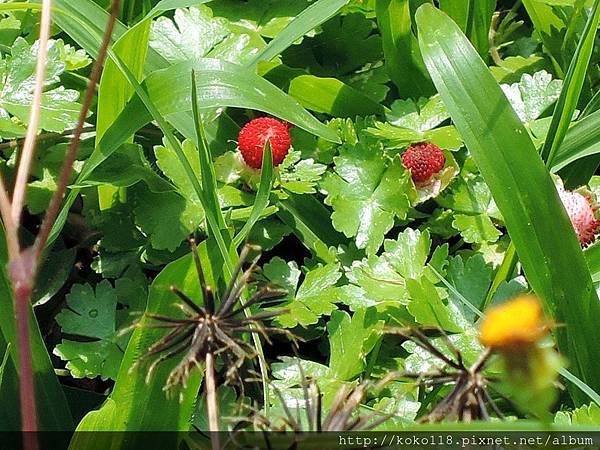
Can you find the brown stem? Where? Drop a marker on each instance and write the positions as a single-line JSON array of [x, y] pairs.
[[67, 167], [21, 271], [211, 401]]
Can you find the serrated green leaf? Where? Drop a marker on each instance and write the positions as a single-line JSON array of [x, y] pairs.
[[381, 280], [533, 95], [366, 193], [316, 296], [91, 314], [194, 33], [351, 339], [476, 229]]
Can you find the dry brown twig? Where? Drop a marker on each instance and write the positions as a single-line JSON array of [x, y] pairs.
[[23, 262]]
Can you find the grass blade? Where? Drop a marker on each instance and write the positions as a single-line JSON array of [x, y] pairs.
[[572, 85], [521, 186], [262, 196], [402, 55], [311, 17]]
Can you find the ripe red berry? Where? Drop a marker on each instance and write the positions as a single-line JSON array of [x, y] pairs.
[[582, 215], [423, 160], [254, 135]]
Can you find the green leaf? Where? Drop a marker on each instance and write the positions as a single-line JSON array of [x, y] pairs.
[[366, 193], [522, 188], [124, 168], [313, 16], [346, 43], [316, 296], [59, 110], [331, 96], [428, 308], [145, 406], [90, 314], [476, 229], [574, 79], [351, 339], [300, 175], [582, 139], [531, 96], [381, 280], [471, 278], [585, 415], [221, 83], [194, 33], [267, 17], [411, 122], [402, 56], [166, 218]]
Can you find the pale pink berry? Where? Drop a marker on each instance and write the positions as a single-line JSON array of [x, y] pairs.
[[582, 215]]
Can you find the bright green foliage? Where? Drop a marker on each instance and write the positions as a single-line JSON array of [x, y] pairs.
[[91, 315], [17, 79], [307, 301], [365, 192], [351, 339], [410, 122], [194, 33], [381, 280], [532, 95], [362, 253]]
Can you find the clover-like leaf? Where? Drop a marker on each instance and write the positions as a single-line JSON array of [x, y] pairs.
[[90, 315], [367, 192]]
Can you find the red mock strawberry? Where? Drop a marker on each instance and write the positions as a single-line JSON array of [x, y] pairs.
[[582, 215], [423, 160], [254, 135]]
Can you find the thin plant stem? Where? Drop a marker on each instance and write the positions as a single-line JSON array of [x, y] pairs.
[[10, 230], [67, 166], [14, 143], [211, 401], [34, 116]]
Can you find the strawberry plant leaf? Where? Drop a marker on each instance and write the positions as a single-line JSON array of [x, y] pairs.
[[428, 308], [91, 314], [166, 218], [366, 192], [59, 110], [300, 175], [194, 33], [351, 339], [471, 277], [584, 415], [315, 296], [410, 122], [346, 43], [476, 229], [532, 95], [381, 280]]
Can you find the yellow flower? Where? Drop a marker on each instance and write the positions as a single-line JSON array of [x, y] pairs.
[[515, 325]]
